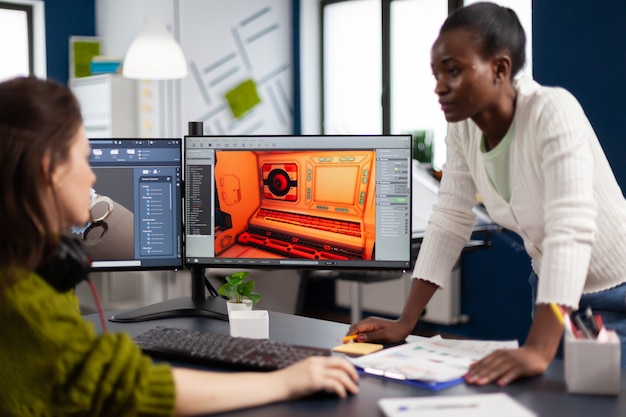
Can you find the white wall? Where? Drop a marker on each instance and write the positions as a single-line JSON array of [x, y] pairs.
[[119, 21], [227, 43], [224, 43]]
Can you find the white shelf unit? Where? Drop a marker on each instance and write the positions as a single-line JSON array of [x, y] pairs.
[[108, 104]]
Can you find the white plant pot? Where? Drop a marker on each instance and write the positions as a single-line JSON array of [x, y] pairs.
[[232, 305]]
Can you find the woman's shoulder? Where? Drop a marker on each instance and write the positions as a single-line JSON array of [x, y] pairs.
[[536, 101], [531, 92], [17, 282], [30, 295]]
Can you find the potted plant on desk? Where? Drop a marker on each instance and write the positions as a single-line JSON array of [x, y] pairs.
[[240, 291]]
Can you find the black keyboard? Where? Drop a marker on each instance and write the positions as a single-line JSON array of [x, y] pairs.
[[221, 350]]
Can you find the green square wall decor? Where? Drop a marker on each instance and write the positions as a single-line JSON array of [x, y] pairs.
[[82, 50], [242, 98]]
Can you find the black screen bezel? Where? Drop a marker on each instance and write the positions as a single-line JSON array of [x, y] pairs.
[[178, 262], [379, 265]]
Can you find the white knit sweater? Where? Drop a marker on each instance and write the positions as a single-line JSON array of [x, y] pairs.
[[565, 202]]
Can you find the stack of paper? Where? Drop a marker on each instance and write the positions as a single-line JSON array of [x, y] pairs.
[[432, 363]]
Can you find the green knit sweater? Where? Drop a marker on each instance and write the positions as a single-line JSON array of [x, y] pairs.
[[54, 364]]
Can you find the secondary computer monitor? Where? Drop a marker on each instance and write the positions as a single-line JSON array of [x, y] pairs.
[[302, 202], [136, 209]]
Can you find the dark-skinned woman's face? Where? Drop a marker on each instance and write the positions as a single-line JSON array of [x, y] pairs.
[[465, 81]]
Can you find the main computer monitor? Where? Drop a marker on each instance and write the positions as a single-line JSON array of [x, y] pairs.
[[300, 202], [136, 209]]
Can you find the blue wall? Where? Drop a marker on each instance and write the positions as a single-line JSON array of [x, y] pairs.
[[580, 45], [65, 18]]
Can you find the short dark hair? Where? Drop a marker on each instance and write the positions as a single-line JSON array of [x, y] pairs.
[[38, 118], [496, 27]]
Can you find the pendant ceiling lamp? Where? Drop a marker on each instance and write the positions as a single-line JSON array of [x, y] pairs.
[[154, 54]]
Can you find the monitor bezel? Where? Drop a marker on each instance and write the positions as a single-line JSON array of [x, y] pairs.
[[173, 266], [298, 264]]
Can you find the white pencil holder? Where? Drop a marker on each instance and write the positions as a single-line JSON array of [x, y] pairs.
[[592, 366], [251, 323]]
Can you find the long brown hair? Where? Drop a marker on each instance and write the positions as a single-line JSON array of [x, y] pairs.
[[38, 119]]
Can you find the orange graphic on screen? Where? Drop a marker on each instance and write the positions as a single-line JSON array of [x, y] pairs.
[[311, 204]]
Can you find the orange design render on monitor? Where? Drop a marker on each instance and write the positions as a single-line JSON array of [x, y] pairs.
[[309, 204]]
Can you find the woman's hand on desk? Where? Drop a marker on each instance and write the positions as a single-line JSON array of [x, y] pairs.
[[505, 366], [315, 374], [202, 392], [380, 330]]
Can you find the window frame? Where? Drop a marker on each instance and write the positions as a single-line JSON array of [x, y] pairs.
[[386, 59], [35, 21]]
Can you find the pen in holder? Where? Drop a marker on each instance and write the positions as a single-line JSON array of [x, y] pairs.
[[592, 359]]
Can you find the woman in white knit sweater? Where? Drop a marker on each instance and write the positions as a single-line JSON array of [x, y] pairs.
[[533, 157]]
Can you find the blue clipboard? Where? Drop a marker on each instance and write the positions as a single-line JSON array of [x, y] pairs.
[[429, 385]]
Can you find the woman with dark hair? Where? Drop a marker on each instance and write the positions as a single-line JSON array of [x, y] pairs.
[[53, 363], [531, 154]]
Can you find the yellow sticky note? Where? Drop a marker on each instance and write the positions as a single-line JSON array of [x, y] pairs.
[[357, 349]]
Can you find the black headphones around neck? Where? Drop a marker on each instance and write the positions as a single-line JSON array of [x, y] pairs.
[[69, 266]]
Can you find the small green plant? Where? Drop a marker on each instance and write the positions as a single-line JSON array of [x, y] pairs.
[[237, 288]]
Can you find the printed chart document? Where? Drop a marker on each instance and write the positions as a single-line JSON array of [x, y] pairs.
[[480, 405], [432, 363]]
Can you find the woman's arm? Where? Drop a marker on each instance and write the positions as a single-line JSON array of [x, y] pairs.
[[377, 329], [200, 392]]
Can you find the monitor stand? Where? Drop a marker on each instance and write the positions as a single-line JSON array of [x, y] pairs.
[[198, 305]]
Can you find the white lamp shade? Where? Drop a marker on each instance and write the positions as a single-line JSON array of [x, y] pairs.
[[154, 54]]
